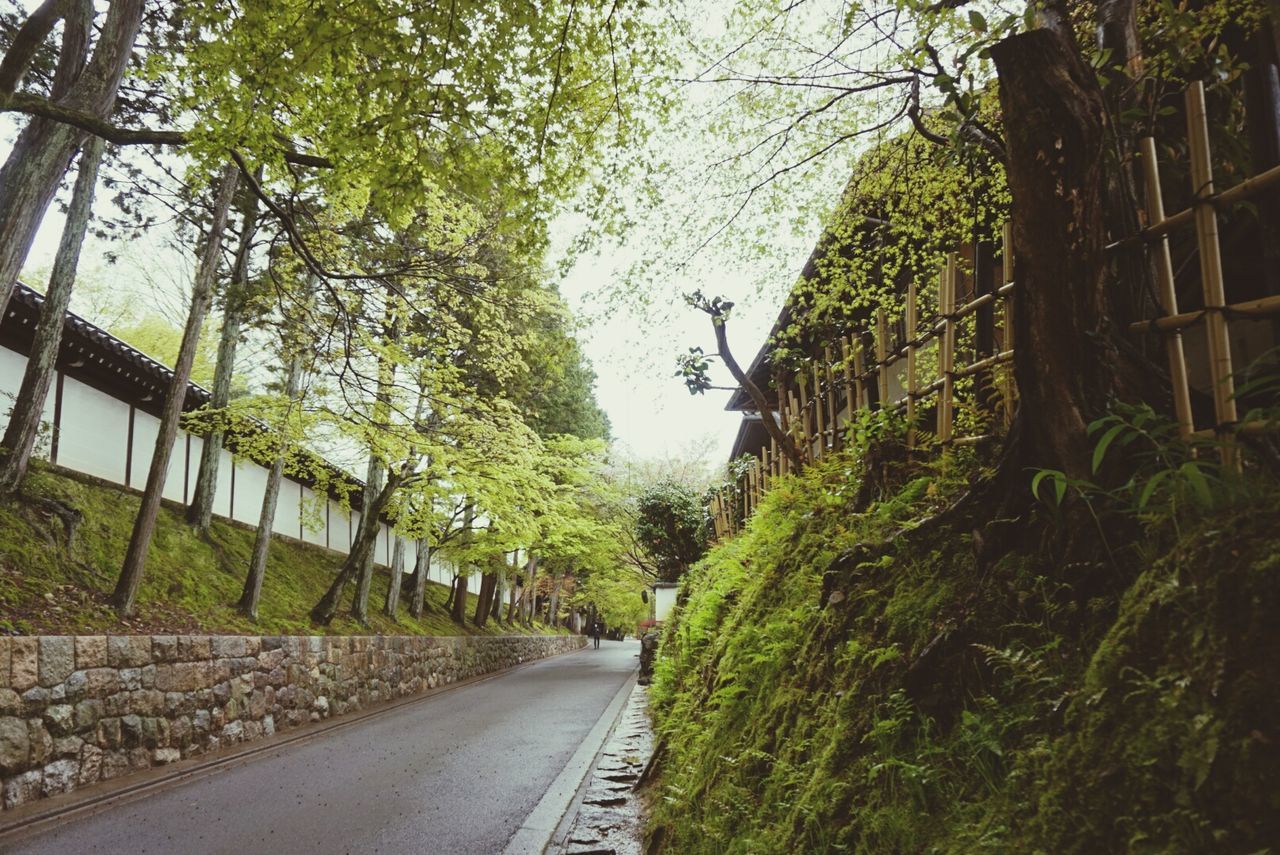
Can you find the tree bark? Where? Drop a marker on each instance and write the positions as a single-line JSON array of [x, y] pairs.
[[44, 149], [26, 43], [553, 604], [421, 570], [366, 536], [529, 597], [484, 600], [459, 611], [511, 600], [360, 602], [252, 592], [1067, 363], [135, 558], [24, 421], [200, 511], [397, 576], [771, 426]]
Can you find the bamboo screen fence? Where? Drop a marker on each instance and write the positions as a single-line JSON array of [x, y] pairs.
[[854, 371]]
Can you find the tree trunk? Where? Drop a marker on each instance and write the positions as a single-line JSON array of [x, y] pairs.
[[453, 594], [366, 536], [1067, 364], [511, 601], [553, 605], [421, 570], [360, 602], [459, 612], [200, 511], [135, 558], [484, 600], [24, 420], [252, 592], [43, 152], [397, 576], [530, 595]]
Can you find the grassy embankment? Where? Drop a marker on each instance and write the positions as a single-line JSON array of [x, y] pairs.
[[192, 583], [940, 704]]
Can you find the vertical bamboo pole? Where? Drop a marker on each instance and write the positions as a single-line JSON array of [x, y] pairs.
[[1168, 296], [912, 326], [784, 414], [776, 469], [819, 420], [1006, 384], [850, 399], [1224, 404], [946, 349], [882, 357], [806, 453], [833, 418], [714, 510], [859, 368], [793, 407]]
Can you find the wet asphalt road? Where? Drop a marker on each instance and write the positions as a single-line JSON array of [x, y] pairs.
[[456, 773]]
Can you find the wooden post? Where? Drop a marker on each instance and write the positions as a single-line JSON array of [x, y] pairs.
[[833, 418], [778, 463], [784, 415], [946, 348], [859, 366], [850, 397], [882, 356], [713, 509], [819, 420], [1168, 296], [1224, 404], [806, 452], [1006, 385], [912, 326], [793, 407]]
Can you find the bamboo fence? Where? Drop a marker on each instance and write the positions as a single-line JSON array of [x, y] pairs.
[[818, 401]]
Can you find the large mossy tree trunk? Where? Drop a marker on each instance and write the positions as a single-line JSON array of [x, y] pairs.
[[135, 558], [397, 577], [372, 488], [44, 149], [459, 609], [24, 420], [484, 600], [1070, 361]]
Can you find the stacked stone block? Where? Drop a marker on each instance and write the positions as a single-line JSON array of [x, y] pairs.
[[75, 710]]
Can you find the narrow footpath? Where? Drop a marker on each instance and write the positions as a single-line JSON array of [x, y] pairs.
[[453, 773]]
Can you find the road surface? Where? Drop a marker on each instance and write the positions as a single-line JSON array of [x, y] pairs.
[[454, 773]]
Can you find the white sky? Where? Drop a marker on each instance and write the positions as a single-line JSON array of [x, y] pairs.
[[633, 349]]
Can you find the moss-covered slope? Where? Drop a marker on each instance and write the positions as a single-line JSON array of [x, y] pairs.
[[936, 705], [191, 585]]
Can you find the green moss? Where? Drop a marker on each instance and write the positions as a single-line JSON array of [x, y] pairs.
[[191, 584], [937, 706]]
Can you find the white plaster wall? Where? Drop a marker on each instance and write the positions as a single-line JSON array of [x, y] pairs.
[[145, 428], [251, 484], [94, 434], [339, 527], [288, 508], [382, 548], [12, 366], [193, 463], [313, 530], [221, 498]]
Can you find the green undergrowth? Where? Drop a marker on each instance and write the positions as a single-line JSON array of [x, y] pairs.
[[1028, 704], [191, 584]]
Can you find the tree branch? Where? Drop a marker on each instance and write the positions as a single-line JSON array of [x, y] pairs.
[[27, 41]]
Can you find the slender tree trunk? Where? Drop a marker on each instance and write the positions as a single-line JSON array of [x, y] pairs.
[[43, 152], [1068, 363], [459, 612], [135, 558], [252, 591], [421, 570], [360, 602], [511, 600], [530, 589], [24, 421], [553, 607], [453, 592], [484, 600], [397, 576], [200, 511], [366, 536]]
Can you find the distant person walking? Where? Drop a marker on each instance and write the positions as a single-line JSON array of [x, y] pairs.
[[595, 633]]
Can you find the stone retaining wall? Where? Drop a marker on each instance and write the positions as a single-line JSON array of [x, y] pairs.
[[75, 710]]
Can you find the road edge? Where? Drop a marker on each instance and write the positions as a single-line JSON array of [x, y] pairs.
[[539, 827]]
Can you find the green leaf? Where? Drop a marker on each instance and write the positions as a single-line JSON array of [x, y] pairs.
[[1199, 484], [976, 21], [1149, 488], [1100, 450]]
